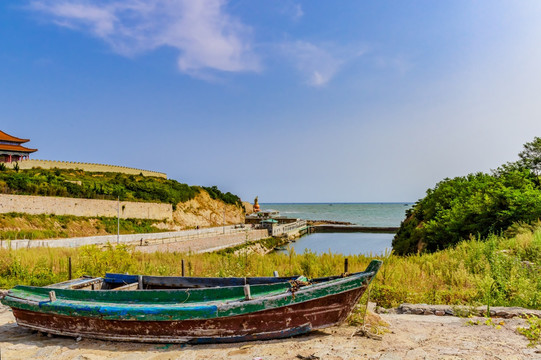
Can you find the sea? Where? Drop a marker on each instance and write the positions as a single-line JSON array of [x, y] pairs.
[[364, 214]]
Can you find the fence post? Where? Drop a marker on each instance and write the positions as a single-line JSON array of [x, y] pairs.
[[69, 268], [345, 265], [182, 264]]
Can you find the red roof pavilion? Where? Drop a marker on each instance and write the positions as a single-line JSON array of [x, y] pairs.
[[11, 148]]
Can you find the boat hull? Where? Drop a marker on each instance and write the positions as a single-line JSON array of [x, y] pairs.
[[273, 323]]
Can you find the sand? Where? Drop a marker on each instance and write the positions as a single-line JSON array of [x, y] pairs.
[[410, 337]]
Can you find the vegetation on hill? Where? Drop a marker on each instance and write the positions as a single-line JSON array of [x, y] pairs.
[[501, 271], [81, 184], [44, 226], [474, 205]]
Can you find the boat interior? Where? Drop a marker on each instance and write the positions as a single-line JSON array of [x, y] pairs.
[[120, 282]]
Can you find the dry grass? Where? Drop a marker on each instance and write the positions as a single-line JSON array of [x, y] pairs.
[[500, 271]]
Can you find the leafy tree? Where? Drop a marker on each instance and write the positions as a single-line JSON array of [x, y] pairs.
[[477, 204], [530, 157]]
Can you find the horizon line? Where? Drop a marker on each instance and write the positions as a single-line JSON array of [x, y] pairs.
[[347, 202]]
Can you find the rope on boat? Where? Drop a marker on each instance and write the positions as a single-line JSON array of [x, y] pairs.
[[364, 331]]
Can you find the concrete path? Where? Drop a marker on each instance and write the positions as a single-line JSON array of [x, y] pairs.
[[211, 242], [198, 240]]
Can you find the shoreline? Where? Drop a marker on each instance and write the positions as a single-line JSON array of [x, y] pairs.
[[406, 337]]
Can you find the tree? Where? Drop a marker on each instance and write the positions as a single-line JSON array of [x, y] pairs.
[[530, 157]]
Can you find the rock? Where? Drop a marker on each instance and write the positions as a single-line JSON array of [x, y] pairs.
[[390, 356], [439, 312], [3, 294], [419, 338], [450, 351], [416, 354]]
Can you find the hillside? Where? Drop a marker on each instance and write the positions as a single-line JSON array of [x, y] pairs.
[[192, 205], [96, 185]]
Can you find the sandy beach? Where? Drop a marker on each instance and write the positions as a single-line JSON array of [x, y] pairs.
[[409, 337]]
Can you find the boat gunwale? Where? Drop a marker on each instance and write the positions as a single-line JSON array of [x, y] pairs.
[[196, 310], [133, 312]]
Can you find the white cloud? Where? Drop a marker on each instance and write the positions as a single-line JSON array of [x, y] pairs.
[[206, 37], [294, 11], [316, 63]]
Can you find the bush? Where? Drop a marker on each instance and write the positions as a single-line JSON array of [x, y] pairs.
[[79, 184], [475, 205]]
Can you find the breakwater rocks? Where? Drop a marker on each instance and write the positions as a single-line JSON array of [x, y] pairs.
[[3, 294], [462, 311], [344, 226], [353, 228], [327, 222]]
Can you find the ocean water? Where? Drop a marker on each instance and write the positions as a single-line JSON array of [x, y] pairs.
[[365, 214], [343, 243]]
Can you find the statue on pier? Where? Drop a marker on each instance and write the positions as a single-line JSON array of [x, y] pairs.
[[256, 205]]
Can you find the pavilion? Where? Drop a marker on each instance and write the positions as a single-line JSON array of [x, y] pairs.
[[12, 150]]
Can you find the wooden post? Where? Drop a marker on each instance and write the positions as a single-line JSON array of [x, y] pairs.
[[69, 268], [52, 296], [182, 262], [140, 281], [247, 293], [346, 265], [275, 273]]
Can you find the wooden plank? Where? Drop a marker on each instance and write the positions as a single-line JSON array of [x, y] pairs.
[[126, 287], [76, 283]]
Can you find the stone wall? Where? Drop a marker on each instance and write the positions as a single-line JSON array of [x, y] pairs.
[[50, 164], [83, 207]]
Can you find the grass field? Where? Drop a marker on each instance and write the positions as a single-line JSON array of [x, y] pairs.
[[501, 271]]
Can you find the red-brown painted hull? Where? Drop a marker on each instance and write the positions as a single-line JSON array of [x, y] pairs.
[[267, 324]]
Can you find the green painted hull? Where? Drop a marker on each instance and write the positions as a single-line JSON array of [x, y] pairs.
[[190, 308]]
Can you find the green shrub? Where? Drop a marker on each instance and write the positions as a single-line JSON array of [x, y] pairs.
[[80, 184]]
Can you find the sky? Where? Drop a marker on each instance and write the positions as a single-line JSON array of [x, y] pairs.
[[291, 101]]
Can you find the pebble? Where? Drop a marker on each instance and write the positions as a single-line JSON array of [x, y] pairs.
[[442, 310], [416, 354], [390, 356]]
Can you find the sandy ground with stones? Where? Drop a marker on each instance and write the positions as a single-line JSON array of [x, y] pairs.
[[410, 337]]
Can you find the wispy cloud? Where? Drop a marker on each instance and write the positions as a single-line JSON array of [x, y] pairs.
[[294, 11], [317, 64], [206, 37]]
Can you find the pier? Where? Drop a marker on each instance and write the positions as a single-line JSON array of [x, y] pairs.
[[352, 228]]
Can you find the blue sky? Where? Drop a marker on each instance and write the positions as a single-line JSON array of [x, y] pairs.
[[294, 101]]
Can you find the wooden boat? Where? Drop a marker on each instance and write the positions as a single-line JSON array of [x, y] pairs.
[[264, 308]]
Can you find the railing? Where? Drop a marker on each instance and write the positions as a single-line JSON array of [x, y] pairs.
[[287, 228], [179, 237], [132, 239]]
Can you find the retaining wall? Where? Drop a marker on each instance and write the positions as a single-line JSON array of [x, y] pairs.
[[50, 164], [83, 207], [172, 236]]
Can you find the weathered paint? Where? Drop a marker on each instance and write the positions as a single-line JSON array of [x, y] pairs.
[[196, 315], [272, 323]]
